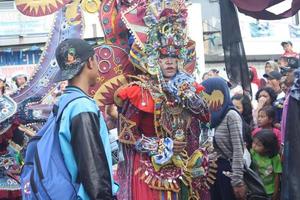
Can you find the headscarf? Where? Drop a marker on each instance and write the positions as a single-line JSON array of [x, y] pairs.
[[273, 64], [217, 95]]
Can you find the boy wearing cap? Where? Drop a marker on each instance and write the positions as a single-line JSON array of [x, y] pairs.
[[83, 134]]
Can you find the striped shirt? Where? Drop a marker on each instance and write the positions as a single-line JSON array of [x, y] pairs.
[[228, 136]]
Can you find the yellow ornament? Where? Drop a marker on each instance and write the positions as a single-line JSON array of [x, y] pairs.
[[72, 14], [90, 6]]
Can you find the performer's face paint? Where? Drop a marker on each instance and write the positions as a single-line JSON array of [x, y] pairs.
[[168, 66]]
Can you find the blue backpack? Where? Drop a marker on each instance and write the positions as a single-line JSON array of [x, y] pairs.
[[44, 175]]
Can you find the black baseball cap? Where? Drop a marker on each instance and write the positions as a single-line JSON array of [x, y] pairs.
[[71, 55], [273, 75], [286, 42]]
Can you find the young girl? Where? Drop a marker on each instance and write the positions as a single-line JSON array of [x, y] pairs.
[[265, 120], [266, 161]]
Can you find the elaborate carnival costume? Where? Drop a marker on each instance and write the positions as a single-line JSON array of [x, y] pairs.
[[154, 113]]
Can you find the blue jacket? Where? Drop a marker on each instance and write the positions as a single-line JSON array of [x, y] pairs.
[[86, 148]]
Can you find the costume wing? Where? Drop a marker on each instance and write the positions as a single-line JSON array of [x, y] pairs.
[[43, 78], [28, 97]]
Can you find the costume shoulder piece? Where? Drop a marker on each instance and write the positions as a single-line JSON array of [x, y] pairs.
[[140, 93]]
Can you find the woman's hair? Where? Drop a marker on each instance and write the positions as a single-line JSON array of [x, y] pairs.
[[270, 112], [269, 141], [247, 107], [270, 91]]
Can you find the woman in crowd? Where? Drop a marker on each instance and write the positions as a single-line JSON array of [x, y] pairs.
[[264, 97], [228, 141], [271, 65], [243, 105]]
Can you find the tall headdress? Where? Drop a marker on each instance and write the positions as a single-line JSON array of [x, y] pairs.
[[159, 29]]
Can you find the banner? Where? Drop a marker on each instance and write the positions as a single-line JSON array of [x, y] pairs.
[[9, 57]]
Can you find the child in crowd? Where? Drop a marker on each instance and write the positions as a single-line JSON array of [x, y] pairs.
[[265, 120], [266, 161]]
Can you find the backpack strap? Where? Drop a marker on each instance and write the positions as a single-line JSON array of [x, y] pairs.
[[66, 101]]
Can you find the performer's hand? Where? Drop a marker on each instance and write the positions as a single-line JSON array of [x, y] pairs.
[[240, 192], [178, 146]]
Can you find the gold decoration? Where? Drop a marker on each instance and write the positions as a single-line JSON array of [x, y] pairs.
[[90, 6], [72, 13], [100, 79], [118, 69], [108, 87], [215, 100]]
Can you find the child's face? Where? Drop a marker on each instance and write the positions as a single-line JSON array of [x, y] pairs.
[[257, 146], [263, 120]]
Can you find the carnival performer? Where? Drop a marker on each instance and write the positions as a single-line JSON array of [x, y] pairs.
[[161, 113]]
